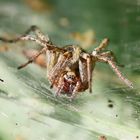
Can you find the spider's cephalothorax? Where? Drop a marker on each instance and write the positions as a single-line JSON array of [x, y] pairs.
[[69, 69]]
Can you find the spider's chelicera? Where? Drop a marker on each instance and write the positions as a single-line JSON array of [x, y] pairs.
[[69, 69]]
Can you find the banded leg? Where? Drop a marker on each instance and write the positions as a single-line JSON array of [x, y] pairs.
[[111, 55], [116, 70], [59, 67], [83, 70], [26, 35], [38, 33], [89, 72], [60, 85], [102, 45], [89, 68], [33, 58], [75, 91], [25, 38]]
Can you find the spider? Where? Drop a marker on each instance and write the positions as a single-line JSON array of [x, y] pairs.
[[69, 69]]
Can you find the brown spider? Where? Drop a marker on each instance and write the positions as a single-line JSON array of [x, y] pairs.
[[69, 69]]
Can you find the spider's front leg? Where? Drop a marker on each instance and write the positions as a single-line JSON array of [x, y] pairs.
[[38, 33], [60, 85], [39, 38], [26, 36], [59, 67], [75, 90], [108, 58]]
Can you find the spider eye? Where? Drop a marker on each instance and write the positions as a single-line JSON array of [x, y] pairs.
[[70, 76]]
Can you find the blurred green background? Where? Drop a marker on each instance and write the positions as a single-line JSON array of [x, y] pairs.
[[28, 108]]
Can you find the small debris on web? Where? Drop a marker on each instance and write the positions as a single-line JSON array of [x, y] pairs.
[[110, 101], [64, 22], [1, 80], [102, 138], [110, 105]]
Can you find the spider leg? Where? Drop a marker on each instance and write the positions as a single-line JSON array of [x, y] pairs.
[[60, 85], [102, 45], [41, 60], [59, 67], [52, 57], [112, 56], [89, 72], [26, 35], [75, 90], [25, 38], [83, 70], [32, 58], [90, 65], [37, 32], [115, 68]]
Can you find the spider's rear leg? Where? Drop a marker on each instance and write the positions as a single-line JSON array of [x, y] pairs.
[[40, 60], [33, 58], [115, 68]]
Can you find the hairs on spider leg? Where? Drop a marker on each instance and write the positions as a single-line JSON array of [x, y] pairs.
[[119, 74]]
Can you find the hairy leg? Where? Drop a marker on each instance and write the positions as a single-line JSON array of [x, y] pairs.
[[75, 90], [89, 73], [38, 37], [33, 58], [38, 33], [111, 55], [115, 68], [24, 38], [90, 65], [59, 67], [60, 85], [26, 35], [83, 70], [102, 45], [40, 60]]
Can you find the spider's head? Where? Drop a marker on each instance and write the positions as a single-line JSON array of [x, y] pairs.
[[70, 76]]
